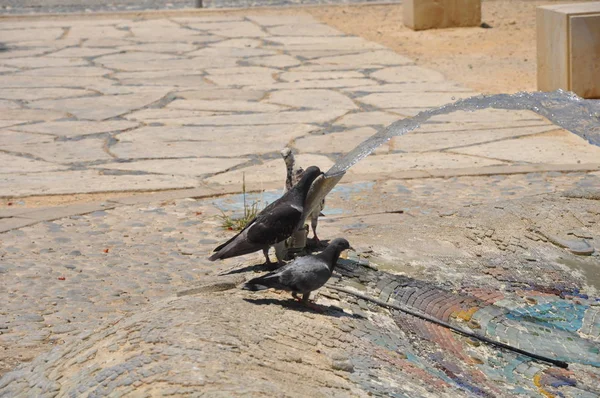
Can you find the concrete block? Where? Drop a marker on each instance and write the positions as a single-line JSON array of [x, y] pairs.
[[435, 14], [568, 48]]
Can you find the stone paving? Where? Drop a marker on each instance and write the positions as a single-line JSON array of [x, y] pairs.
[[96, 105], [480, 219]]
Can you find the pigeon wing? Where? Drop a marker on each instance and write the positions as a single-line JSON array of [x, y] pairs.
[[274, 225], [266, 210], [305, 274]]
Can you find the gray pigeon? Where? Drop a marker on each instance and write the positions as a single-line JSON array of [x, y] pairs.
[[275, 223], [294, 173], [304, 274]]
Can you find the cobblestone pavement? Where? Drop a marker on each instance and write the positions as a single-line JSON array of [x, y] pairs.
[[488, 220], [99, 291]]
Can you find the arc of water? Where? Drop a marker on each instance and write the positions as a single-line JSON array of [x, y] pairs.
[[565, 109]]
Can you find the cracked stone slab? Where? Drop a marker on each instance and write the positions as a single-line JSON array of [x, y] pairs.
[[88, 32], [314, 84], [43, 62], [202, 141], [408, 74], [243, 79], [418, 161], [230, 29], [310, 55], [54, 81], [153, 75], [185, 167], [8, 224], [102, 107], [189, 81], [304, 29], [150, 63], [293, 117], [72, 128], [278, 20], [9, 137], [104, 43], [317, 99], [233, 52], [416, 142], [133, 56], [268, 172], [335, 142], [11, 164], [87, 150], [161, 47], [556, 147], [87, 181], [322, 43], [222, 94], [244, 42], [81, 52], [492, 117], [169, 116], [360, 119], [411, 100], [9, 123], [329, 75], [31, 115], [365, 60], [17, 35], [422, 87], [16, 52], [8, 104], [275, 61], [237, 70], [150, 34], [4, 69], [84, 71], [224, 106], [29, 94]]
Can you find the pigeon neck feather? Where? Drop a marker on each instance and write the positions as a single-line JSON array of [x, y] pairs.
[[330, 255]]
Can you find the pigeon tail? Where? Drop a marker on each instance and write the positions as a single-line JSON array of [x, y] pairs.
[[236, 246], [271, 280], [254, 287]]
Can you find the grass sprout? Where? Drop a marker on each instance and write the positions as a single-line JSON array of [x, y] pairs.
[[250, 212]]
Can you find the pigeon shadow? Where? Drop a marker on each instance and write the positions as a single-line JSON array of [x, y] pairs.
[[294, 305], [264, 267]]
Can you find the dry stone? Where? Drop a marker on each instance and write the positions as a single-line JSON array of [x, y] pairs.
[[186, 167]]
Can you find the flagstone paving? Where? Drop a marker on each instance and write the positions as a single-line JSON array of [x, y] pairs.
[[477, 218], [100, 95]]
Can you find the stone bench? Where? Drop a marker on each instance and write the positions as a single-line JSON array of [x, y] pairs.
[[435, 14], [568, 48]]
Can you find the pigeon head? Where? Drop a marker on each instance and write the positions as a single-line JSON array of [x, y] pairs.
[[333, 250], [340, 244], [309, 175]]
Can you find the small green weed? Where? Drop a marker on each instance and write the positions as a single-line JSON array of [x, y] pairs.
[[250, 212]]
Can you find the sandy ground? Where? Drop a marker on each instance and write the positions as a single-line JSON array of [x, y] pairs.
[[500, 59]]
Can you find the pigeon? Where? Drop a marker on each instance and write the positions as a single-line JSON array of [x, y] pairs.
[[294, 173], [275, 223], [304, 274]]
